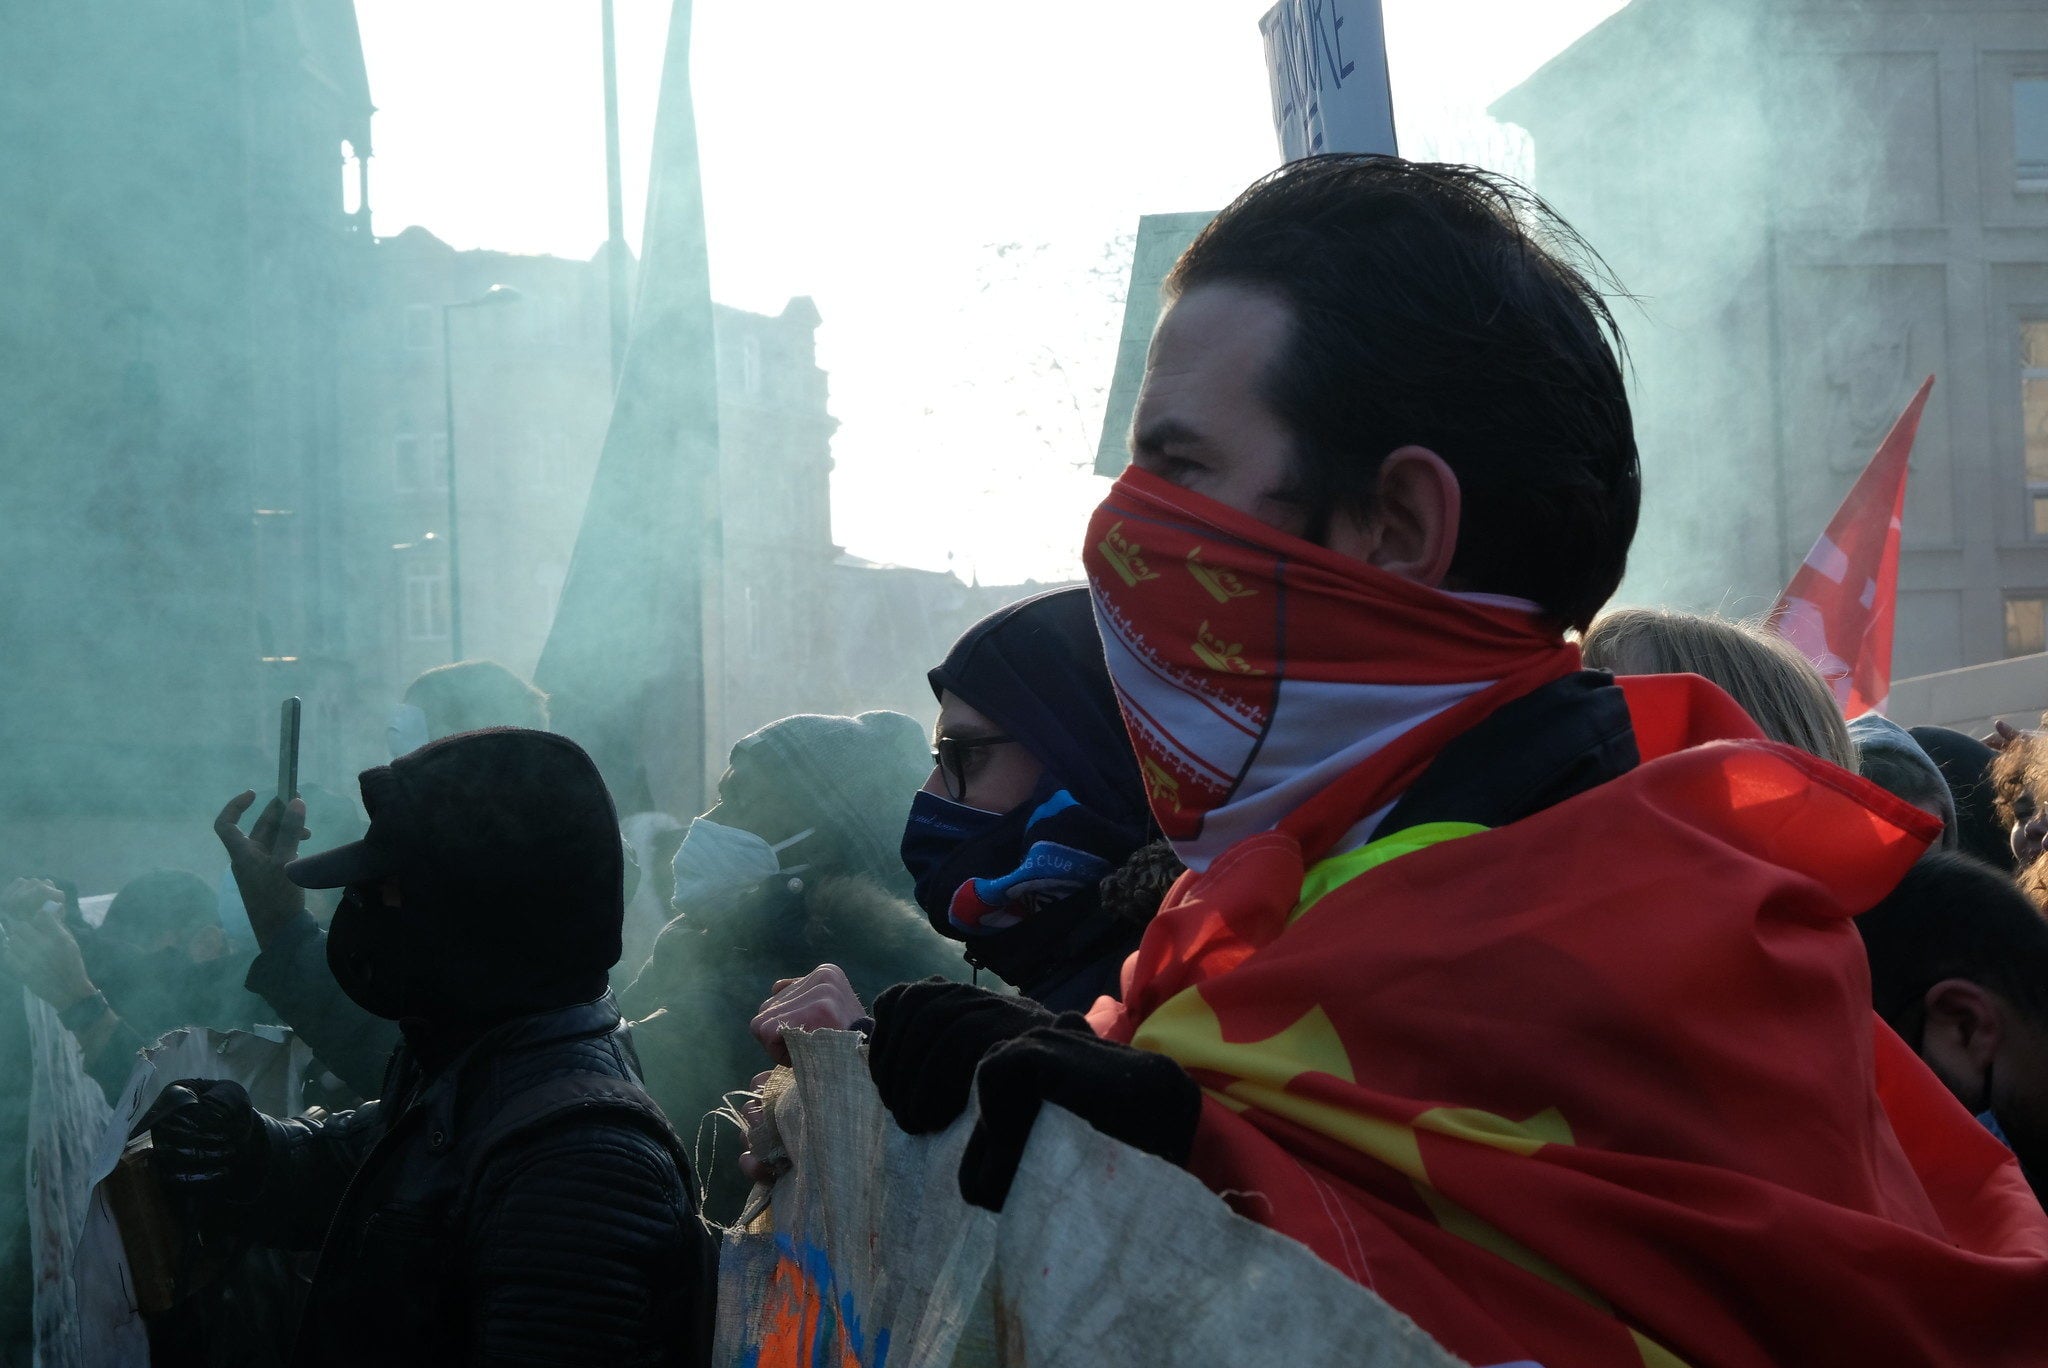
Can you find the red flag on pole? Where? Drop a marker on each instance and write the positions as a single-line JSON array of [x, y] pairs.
[[1839, 608]]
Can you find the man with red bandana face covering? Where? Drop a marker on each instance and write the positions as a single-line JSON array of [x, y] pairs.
[[1528, 998]]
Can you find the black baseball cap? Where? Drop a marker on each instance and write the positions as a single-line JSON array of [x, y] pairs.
[[505, 808]]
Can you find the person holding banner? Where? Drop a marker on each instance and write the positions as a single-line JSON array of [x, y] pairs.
[[1527, 997]]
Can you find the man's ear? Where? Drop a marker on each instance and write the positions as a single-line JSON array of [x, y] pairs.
[[1965, 1026], [1412, 528]]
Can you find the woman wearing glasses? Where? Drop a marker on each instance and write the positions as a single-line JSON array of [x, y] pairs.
[[1020, 839], [1031, 841]]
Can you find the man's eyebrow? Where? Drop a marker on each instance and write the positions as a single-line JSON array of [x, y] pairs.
[[1161, 433]]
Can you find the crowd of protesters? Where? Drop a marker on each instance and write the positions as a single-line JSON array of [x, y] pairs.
[[1583, 984]]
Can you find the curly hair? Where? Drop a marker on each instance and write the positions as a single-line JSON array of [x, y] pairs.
[[2019, 778], [2019, 789]]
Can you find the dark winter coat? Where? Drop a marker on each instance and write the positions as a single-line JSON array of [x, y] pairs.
[[692, 1002], [525, 1203]]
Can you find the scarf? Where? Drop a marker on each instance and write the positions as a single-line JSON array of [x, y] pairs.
[[1264, 679]]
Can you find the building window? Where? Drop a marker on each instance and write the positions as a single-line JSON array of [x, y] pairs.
[[420, 463], [419, 326], [2026, 624], [426, 605], [405, 462], [351, 181], [434, 462], [2034, 422], [2030, 134]]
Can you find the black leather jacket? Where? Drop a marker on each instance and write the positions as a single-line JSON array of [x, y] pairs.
[[526, 1203]]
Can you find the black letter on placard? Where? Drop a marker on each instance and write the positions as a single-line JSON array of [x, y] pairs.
[[1325, 35], [1337, 62]]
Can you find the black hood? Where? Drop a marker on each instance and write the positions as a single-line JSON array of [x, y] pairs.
[[505, 849]]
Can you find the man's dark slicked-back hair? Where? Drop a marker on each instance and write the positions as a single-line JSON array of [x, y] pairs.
[[1449, 308], [1954, 917]]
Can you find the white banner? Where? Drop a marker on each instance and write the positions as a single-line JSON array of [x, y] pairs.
[[1327, 60], [67, 1117], [85, 1314], [868, 1258]]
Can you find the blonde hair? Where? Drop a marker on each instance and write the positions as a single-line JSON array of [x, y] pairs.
[[1760, 670]]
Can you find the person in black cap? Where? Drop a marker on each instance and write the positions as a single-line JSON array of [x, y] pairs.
[[514, 1194], [290, 969]]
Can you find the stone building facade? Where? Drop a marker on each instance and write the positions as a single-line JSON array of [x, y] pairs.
[[797, 625], [1818, 203], [224, 446], [182, 207]]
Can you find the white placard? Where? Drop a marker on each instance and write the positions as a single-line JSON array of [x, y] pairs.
[[85, 1314], [1327, 60]]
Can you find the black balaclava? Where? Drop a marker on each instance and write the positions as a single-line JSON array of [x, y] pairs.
[[504, 846], [1036, 670]]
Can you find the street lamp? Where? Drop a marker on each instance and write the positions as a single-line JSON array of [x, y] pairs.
[[615, 211], [496, 295]]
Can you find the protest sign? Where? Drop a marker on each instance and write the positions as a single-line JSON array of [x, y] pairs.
[[868, 1258], [1327, 60], [67, 1118], [85, 1313]]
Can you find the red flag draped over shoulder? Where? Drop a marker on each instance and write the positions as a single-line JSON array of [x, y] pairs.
[[1839, 608], [1602, 1087]]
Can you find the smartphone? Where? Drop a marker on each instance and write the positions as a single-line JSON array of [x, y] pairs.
[[288, 751]]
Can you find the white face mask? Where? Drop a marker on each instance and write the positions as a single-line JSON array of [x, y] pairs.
[[715, 864], [406, 732]]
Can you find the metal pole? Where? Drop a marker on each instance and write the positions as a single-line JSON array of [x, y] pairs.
[[448, 443], [615, 209]]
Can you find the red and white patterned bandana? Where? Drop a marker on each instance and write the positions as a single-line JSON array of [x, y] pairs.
[[1257, 670]]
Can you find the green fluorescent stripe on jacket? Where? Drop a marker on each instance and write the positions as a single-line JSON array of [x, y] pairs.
[[1327, 876]]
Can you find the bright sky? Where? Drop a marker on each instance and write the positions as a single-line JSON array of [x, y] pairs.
[[949, 181]]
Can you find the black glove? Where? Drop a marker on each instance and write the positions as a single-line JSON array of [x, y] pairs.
[[927, 1040], [1141, 1098], [208, 1140]]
